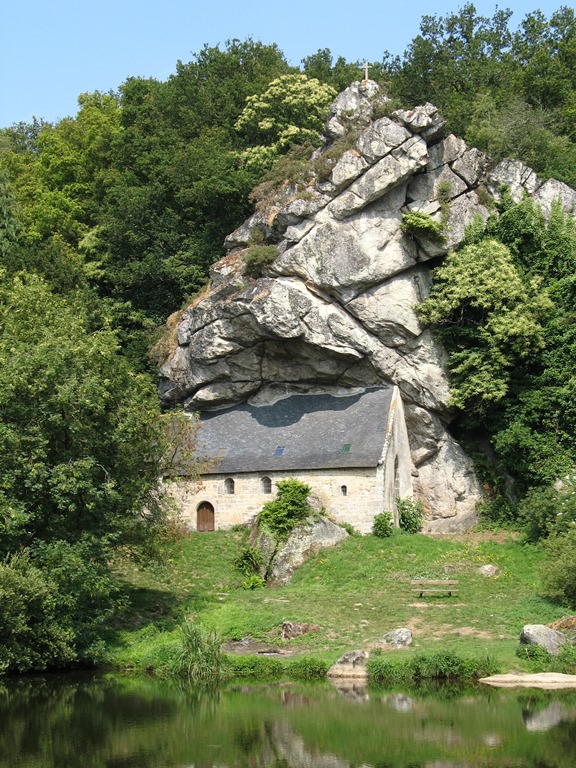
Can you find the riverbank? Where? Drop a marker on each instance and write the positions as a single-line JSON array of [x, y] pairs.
[[352, 595]]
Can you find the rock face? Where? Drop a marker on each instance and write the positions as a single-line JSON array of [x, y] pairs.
[[336, 307]]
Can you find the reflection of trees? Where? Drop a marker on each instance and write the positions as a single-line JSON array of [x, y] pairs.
[[89, 721], [75, 721]]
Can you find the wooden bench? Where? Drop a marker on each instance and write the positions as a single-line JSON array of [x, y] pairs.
[[434, 587]]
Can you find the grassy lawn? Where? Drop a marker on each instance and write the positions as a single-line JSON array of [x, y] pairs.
[[355, 592]]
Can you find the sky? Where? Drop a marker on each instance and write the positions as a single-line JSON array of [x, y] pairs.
[[51, 52]]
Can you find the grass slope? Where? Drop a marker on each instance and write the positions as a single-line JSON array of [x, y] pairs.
[[355, 592]]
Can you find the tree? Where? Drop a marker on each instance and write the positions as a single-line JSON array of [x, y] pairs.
[[488, 318], [292, 110], [83, 447], [453, 59]]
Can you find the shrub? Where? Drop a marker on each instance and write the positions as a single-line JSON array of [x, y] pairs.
[[559, 572], [253, 581], [200, 661], [418, 224], [546, 511], [54, 605], [307, 668], [249, 561], [350, 530], [539, 658], [447, 665], [444, 665], [410, 515], [258, 257], [254, 667], [289, 508], [32, 634], [383, 525]]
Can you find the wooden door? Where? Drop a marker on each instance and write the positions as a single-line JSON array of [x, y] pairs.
[[205, 517]]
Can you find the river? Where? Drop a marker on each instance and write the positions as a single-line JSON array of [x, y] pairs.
[[89, 721]]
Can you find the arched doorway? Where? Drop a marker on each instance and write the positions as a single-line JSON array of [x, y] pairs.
[[204, 517]]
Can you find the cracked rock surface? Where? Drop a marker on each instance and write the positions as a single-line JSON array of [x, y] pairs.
[[336, 307]]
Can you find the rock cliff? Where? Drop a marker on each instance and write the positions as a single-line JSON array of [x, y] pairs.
[[335, 307]]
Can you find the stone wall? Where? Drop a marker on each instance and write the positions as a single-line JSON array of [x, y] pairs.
[[364, 496]]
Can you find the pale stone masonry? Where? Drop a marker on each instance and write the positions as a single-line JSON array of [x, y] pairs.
[[351, 448]]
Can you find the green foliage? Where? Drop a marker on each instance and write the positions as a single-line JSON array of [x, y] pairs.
[[350, 530], [81, 433], [488, 318], [201, 661], [410, 515], [497, 512], [440, 666], [307, 668], [287, 510], [253, 581], [559, 573], [546, 512], [32, 634], [249, 561], [258, 257], [540, 660], [253, 667], [55, 601], [421, 225], [292, 110], [383, 525]]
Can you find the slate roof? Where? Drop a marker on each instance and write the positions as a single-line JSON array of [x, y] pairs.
[[298, 432]]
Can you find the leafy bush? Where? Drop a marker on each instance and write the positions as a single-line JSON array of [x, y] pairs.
[[289, 508], [54, 606], [249, 561], [418, 224], [444, 665], [258, 257], [411, 514], [200, 660], [350, 530], [559, 573], [547, 511], [254, 667], [540, 659], [253, 581], [307, 668], [383, 525], [497, 512]]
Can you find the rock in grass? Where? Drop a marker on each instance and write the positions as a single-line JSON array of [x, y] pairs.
[[398, 638], [489, 570], [351, 664], [543, 636]]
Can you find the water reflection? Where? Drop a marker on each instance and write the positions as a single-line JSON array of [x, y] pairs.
[[70, 721]]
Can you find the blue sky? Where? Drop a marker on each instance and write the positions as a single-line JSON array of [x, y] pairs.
[[53, 51]]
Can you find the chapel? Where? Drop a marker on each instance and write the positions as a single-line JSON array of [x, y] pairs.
[[350, 447]]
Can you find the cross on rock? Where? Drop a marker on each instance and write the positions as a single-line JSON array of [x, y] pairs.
[[366, 68]]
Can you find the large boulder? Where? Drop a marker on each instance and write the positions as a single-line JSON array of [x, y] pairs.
[[543, 636], [336, 307], [281, 559]]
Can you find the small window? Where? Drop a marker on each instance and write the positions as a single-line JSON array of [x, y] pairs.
[[279, 451], [229, 485], [344, 489], [346, 447], [266, 484]]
